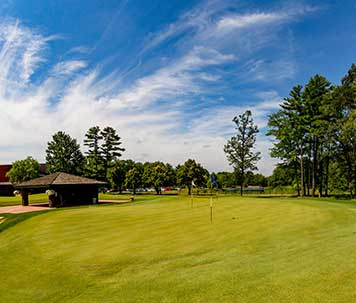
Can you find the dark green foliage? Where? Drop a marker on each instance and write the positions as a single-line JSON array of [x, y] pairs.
[[117, 173], [239, 149], [63, 155], [348, 144], [189, 172], [94, 166], [110, 149], [133, 178], [314, 132], [346, 93], [256, 179], [226, 179], [282, 175], [157, 175], [23, 170]]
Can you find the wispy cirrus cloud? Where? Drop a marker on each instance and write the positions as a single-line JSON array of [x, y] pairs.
[[181, 77], [234, 22], [68, 67], [152, 109], [21, 52]]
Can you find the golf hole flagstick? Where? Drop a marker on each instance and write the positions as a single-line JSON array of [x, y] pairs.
[[191, 194], [213, 184], [211, 209]]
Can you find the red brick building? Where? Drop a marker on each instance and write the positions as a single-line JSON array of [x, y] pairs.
[[6, 188], [3, 170]]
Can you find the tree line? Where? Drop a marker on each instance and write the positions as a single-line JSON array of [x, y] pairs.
[[101, 161], [315, 136]]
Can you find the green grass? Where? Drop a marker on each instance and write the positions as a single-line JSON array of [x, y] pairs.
[[12, 200], [39, 198], [162, 250]]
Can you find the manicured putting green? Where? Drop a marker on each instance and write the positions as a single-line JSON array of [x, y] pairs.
[[162, 250]]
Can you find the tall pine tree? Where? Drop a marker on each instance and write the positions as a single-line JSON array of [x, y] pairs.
[[63, 155], [110, 149], [94, 164]]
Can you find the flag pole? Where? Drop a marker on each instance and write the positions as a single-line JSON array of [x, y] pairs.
[[211, 209], [211, 201]]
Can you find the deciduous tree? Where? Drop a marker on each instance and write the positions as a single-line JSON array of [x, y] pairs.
[[189, 172], [240, 148], [133, 179], [23, 170]]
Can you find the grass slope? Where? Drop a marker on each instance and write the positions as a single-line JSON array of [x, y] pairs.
[[40, 198], [256, 250], [12, 200]]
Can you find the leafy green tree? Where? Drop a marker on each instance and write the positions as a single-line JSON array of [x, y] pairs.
[[63, 155], [110, 149], [190, 172], [256, 179], [304, 129], [117, 173], [345, 94], [288, 127], [157, 175], [226, 179], [23, 170], [348, 143], [239, 149], [133, 179], [94, 159], [316, 95], [338, 177], [283, 175]]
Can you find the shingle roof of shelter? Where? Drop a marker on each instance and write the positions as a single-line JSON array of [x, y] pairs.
[[58, 179]]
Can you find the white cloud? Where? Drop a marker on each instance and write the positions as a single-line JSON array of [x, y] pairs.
[[196, 21], [233, 22], [69, 67], [177, 79], [150, 113], [261, 70]]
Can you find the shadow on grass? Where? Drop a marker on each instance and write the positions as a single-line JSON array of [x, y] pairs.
[[10, 220], [273, 196]]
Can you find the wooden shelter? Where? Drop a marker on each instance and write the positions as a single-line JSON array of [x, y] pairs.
[[66, 189]]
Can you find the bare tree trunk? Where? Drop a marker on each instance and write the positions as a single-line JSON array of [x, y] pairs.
[[296, 176], [327, 175], [320, 177], [242, 182], [302, 185], [315, 166], [308, 174]]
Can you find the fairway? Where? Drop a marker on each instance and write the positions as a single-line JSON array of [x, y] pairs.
[[162, 250]]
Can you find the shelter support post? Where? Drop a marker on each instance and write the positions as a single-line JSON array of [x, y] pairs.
[[24, 195]]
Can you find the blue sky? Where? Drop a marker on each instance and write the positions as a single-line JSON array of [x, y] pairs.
[[168, 75]]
